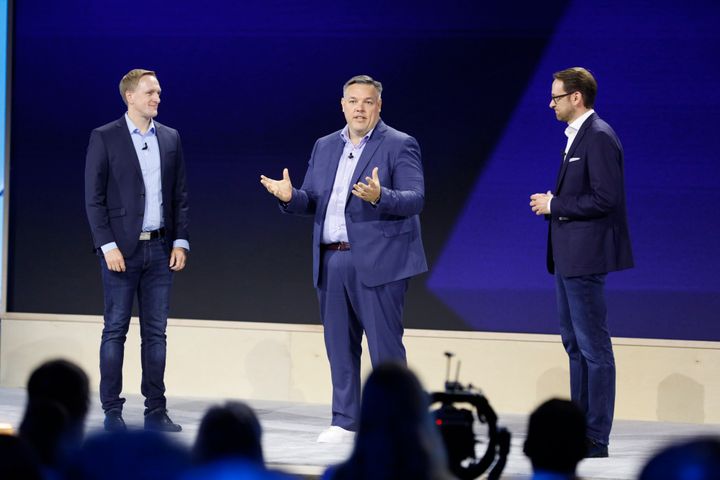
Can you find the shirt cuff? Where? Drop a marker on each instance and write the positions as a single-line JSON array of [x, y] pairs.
[[549, 202], [181, 242], [108, 246]]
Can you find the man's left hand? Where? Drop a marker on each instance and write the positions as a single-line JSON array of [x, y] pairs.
[[540, 203], [370, 191], [178, 257]]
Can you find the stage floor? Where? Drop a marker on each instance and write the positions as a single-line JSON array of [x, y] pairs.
[[290, 430]]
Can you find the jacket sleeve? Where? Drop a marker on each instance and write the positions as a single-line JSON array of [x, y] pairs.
[[96, 179], [180, 196], [407, 195]]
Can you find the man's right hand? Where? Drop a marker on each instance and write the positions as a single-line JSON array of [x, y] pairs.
[[282, 189], [115, 261]]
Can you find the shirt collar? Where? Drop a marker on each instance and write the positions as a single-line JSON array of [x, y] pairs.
[[135, 129], [346, 137], [575, 125]]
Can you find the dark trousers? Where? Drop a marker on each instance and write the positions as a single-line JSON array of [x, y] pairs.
[[149, 277], [585, 335], [348, 307]]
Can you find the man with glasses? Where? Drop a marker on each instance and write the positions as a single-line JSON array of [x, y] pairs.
[[588, 237]]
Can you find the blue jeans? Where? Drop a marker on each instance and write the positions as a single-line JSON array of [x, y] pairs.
[[585, 335], [148, 275]]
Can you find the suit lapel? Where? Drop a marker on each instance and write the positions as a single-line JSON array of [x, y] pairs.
[[127, 144], [373, 143], [163, 147], [573, 146]]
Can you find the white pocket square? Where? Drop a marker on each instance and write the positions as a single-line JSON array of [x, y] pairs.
[[574, 159]]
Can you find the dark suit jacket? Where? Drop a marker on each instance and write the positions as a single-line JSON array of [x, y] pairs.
[[115, 191], [385, 239], [588, 227]]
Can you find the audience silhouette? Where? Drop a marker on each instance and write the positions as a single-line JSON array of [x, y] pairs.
[[229, 431], [132, 454], [57, 404], [697, 459], [396, 437], [17, 460], [556, 439]]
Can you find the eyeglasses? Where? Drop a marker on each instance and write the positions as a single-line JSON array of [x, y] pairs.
[[558, 97]]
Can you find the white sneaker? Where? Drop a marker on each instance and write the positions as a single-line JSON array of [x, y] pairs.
[[336, 434]]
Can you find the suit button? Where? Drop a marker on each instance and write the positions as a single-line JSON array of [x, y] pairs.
[[142, 195]]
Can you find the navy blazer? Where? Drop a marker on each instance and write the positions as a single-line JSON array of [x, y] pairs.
[[115, 191], [385, 239], [588, 231]]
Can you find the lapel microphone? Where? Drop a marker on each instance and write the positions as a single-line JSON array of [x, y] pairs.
[[145, 147], [351, 156]]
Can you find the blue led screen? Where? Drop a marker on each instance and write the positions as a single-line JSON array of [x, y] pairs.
[[251, 85]]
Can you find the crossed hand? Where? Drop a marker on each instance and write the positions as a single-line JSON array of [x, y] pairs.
[[539, 202]]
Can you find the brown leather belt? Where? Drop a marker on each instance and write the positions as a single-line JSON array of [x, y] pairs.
[[338, 246]]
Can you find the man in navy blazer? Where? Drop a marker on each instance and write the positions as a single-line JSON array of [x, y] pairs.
[[364, 186], [136, 204], [588, 237]]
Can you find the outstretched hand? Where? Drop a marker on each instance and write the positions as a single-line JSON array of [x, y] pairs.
[[282, 189], [370, 191]]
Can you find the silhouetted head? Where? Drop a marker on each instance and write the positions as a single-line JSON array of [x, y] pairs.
[[556, 436], [57, 404], [62, 382], [229, 431], [393, 400], [697, 459], [396, 437]]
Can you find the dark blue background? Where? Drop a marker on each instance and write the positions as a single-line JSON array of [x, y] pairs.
[[251, 85]]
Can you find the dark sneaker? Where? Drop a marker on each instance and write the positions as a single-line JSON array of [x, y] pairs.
[[114, 421], [159, 421], [596, 449]]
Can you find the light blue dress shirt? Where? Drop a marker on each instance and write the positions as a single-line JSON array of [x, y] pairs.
[[334, 229]]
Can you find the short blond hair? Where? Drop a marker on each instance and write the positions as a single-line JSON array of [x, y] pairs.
[[130, 81]]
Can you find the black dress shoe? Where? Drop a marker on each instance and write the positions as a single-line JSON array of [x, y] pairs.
[[159, 421], [114, 421], [596, 450]]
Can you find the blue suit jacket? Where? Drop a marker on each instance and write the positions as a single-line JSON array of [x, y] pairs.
[[385, 239], [115, 191], [588, 226]]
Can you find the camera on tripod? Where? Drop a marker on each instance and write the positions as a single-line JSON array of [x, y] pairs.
[[457, 427]]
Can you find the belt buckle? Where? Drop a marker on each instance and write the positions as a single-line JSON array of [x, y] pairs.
[[145, 235]]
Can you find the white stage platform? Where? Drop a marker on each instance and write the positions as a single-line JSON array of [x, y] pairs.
[[290, 429]]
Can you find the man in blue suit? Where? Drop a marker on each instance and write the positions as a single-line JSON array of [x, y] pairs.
[[364, 186], [587, 238], [137, 207]]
